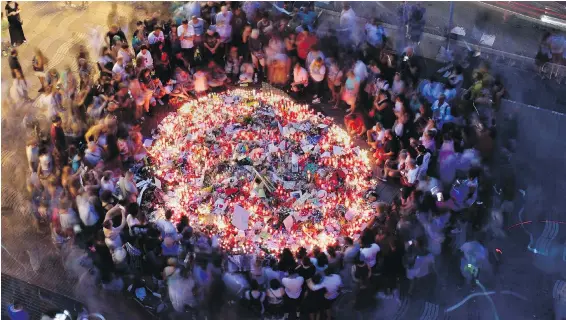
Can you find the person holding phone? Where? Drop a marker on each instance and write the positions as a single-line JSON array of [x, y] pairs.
[[15, 23]]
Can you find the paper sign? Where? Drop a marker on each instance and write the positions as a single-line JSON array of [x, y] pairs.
[[338, 151], [296, 194], [356, 151], [147, 143], [157, 183], [307, 148], [219, 205], [289, 185], [322, 126], [295, 163], [326, 154], [288, 222], [302, 199], [273, 148], [240, 218], [282, 145]]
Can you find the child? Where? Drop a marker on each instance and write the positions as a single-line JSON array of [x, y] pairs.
[[375, 136], [355, 124], [246, 73]]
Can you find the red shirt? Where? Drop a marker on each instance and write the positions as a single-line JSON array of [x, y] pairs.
[[304, 44]]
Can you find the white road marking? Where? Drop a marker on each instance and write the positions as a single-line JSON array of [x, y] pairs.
[[402, 309], [430, 312], [559, 290], [544, 242]]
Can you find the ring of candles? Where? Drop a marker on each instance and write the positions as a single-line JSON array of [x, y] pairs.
[[274, 158]]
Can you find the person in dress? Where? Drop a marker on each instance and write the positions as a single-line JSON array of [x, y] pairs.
[[15, 23]]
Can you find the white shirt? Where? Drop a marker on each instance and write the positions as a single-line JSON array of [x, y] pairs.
[[126, 58], [360, 70], [444, 109], [118, 69], [107, 185], [45, 163], [368, 255], [147, 58], [87, 212], [423, 168], [166, 227], [347, 18], [223, 26], [198, 28], [32, 152], [372, 35], [412, 175], [69, 219], [301, 76], [222, 20], [153, 38], [332, 284], [293, 286], [189, 32]]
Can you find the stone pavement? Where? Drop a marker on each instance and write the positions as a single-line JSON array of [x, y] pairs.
[[512, 35], [52, 31]]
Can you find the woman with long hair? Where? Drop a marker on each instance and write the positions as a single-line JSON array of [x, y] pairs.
[[39, 63], [15, 22]]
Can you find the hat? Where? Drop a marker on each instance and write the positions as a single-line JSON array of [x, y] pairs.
[[55, 119], [212, 28]]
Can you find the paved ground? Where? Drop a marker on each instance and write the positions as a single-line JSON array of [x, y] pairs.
[[519, 72], [511, 34], [522, 272]]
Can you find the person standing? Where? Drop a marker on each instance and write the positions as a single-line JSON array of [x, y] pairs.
[[317, 71], [15, 22], [15, 65], [186, 33]]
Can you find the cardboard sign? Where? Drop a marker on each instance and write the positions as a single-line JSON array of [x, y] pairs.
[[240, 218]]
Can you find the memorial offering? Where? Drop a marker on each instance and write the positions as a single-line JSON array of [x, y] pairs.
[[261, 172]]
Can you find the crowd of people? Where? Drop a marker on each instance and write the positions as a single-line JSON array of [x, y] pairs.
[[433, 137], [552, 49]]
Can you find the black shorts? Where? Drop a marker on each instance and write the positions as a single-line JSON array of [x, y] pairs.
[[291, 305], [327, 304], [337, 88]]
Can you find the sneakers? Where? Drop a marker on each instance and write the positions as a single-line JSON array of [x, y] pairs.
[[316, 100], [383, 179]]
